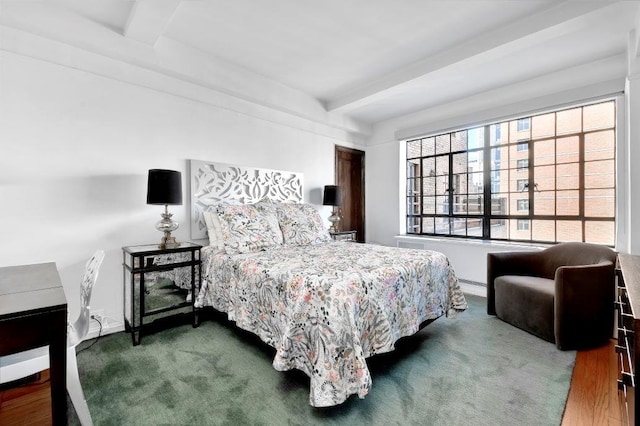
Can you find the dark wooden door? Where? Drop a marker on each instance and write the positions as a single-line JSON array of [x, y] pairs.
[[350, 179]]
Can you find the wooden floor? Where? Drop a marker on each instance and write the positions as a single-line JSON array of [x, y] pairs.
[[593, 397]]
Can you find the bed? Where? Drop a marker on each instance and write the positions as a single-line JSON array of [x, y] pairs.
[[324, 305]]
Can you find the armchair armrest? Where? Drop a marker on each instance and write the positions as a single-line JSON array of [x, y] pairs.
[[510, 263], [584, 297]]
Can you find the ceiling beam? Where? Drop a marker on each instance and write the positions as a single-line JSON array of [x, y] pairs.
[[148, 19], [520, 34]]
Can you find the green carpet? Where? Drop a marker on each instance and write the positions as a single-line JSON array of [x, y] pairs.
[[474, 369]]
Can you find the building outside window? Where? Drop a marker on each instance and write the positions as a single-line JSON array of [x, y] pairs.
[[523, 205], [522, 184], [473, 182], [523, 164], [524, 124]]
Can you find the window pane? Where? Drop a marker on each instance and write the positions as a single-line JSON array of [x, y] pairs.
[[568, 176], [599, 116], [517, 183], [459, 141], [519, 130], [569, 121], [568, 203], [599, 232], [442, 185], [428, 146], [429, 166], [459, 227], [476, 183], [599, 203], [442, 225], [459, 204], [427, 225], [460, 163], [429, 205], [413, 168], [543, 125], [414, 148], [428, 186], [599, 145], [544, 178], [520, 205], [515, 155], [413, 205], [442, 205], [500, 204], [474, 227], [568, 230], [442, 144], [442, 165], [515, 234], [499, 228], [545, 152], [413, 186], [568, 149], [413, 225], [543, 230], [544, 203], [599, 174], [498, 133], [475, 138], [475, 204], [499, 156]]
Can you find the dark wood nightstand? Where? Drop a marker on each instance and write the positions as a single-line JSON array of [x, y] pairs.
[[344, 235], [159, 283]]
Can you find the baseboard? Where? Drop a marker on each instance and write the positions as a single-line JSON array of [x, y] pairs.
[[470, 287]]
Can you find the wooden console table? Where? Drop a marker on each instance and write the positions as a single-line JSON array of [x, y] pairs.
[[33, 313]]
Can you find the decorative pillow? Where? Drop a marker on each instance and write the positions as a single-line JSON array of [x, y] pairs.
[[301, 224], [246, 229], [213, 228]]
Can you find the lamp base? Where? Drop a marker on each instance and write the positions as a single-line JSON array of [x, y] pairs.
[[168, 242], [167, 225], [334, 219]]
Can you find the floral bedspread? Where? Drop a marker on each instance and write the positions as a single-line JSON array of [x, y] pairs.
[[327, 307]]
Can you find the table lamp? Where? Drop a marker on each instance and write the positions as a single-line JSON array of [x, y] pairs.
[[332, 197], [165, 187]]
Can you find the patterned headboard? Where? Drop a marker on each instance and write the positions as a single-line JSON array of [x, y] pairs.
[[213, 183]]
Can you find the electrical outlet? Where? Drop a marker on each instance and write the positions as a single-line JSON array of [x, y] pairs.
[[97, 313]]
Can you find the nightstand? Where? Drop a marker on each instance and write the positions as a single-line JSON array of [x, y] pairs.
[[158, 284], [344, 235]]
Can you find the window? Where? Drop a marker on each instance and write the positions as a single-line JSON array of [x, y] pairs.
[[523, 125], [545, 178], [523, 164]]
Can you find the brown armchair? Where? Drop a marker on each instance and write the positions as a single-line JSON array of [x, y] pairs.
[[563, 294]]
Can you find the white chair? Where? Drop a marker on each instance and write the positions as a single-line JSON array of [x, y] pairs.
[[23, 364]]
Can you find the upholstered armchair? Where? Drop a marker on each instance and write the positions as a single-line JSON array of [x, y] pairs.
[[563, 294]]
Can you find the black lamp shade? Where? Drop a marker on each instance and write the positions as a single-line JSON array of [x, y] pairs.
[[331, 196], [164, 187]]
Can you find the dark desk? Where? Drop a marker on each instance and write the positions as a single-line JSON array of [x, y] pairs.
[[33, 313]]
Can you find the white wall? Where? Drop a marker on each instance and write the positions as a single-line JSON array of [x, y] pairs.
[[76, 147]]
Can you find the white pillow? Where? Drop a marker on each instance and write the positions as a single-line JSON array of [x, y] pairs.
[[213, 228]]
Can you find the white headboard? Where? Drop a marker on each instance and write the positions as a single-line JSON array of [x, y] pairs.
[[213, 183]]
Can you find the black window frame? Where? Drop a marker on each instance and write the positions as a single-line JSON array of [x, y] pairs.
[[473, 215]]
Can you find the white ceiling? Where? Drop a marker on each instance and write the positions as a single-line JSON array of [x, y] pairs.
[[369, 59]]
